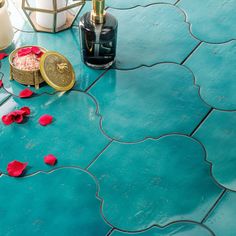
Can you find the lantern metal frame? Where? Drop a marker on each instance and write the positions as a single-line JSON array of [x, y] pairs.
[[31, 16]]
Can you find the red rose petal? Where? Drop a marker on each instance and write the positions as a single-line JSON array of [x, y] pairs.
[[24, 51], [36, 50], [45, 120], [19, 118], [26, 111], [7, 120], [16, 168], [1, 83], [3, 55], [26, 93], [50, 160]]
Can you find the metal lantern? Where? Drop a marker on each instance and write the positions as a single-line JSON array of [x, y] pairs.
[[52, 15]]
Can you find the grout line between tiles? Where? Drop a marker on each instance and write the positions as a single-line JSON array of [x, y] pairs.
[[163, 227], [190, 54], [5, 99], [176, 2], [99, 154], [94, 82], [214, 206], [110, 232], [200, 123]]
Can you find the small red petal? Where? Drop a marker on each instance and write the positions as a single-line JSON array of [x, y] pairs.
[[36, 50], [45, 120], [26, 93], [16, 168], [19, 112], [7, 120], [19, 118], [24, 51], [26, 111], [50, 160], [3, 55], [1, 83]]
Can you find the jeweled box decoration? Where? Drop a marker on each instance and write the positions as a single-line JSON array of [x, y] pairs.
[[32, 65], [51, 15]]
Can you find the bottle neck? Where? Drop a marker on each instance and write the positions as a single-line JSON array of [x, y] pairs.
[[98, 12]]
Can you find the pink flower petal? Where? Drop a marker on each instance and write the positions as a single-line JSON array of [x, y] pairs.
[[16, 168], [36, 50], [24, 51], [26, 93], [45, 120], [50, 160], [7, 120], [19, 118], [26, 111], [3, 55], [1, 83]]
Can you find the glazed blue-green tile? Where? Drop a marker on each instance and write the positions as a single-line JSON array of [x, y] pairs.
[[154, 182], [218, 135], [214, 70], [147, 35], [222, 219], [211, 20], [130, 3], [73, 137], [85, 76], [61, 203], [3, 96], [176, 229], [148, 102]]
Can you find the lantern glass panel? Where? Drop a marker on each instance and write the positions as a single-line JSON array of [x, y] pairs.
[[51, 15]]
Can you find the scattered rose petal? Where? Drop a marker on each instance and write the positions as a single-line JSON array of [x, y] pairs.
[[45, 120], [36, 50], [16, 168], [26, 93], [26, 111], [7, 120], [3, 55], [24, 51], [50, 160], [1, 83], [19, 118], [16, 116]]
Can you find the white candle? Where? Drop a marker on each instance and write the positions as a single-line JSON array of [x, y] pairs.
[[46, 19], [6, 30]]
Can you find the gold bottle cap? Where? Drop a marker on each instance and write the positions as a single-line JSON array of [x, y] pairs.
[[98, 12], [57, 71], [2, 3]]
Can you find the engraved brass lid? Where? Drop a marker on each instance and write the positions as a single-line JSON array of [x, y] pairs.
[[2, 2], [57, 71]]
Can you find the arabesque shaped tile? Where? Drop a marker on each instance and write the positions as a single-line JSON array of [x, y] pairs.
[[214, 70], [74, 136], [158, 32], [217, 17], [218, 135], [175, 229], [66, 43], [124, 4], [222, 219], [61, 203], [148, 102], [150, 182]]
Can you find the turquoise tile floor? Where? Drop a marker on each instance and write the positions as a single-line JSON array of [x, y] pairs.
[[145, 148]]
